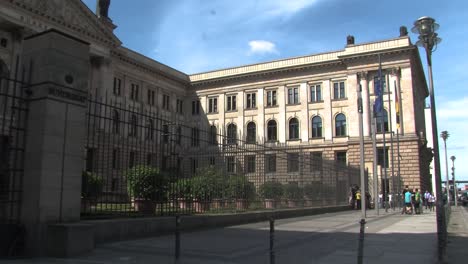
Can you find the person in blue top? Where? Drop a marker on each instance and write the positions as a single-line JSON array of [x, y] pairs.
[[408, 200]]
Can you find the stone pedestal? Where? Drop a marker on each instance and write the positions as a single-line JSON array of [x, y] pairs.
[[58, 67]]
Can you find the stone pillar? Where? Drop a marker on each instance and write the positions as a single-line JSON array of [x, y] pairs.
[[58, 65], [365, 104]]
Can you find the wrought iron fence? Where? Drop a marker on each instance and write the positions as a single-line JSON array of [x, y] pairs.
[[146, 161]]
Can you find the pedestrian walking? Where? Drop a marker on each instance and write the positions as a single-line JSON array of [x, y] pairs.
[[408, 205], [405, 190], [426, 199], [432, 200], [358, 199], [417, 201]]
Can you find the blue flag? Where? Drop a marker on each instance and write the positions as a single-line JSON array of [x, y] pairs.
[[378, 105]]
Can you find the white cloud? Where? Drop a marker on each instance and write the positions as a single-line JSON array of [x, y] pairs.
[[262, 47], [286, 8], [453, 109]]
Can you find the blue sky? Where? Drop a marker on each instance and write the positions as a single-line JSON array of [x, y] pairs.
[[201, 35]]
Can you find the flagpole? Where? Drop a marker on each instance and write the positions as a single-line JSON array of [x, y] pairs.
[[391, 138], [374, 148], [382, 124]]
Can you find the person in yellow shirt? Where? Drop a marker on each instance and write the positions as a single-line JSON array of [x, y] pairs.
[[358, 199]]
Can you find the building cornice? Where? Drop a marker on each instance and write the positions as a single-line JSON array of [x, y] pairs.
[[303, 62]]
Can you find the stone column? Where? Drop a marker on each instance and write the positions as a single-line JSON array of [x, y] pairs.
[[365, 103], [58, 65]]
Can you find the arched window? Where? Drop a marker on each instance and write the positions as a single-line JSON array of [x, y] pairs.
[[251, 132], [380, 121], [231, 134], [115, 122], [340, 125], [272, 131], [293, 128], [316, 127], [133, 126], [212, 137], [150, 129]]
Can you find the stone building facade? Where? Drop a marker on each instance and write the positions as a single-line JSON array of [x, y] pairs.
[[308, 101]]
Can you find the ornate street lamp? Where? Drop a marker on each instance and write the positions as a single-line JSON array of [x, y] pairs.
[[428, 39], [455, 189], [444, 135]]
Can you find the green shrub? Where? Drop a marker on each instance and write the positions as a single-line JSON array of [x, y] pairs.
[[209, 183], [146, 182], [313, 190], [271, 190], [182, 188], [91, 185], [240, 188], [293, 191]]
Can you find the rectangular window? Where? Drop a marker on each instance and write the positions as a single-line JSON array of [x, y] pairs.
[[180, 106], [131, 159], [213, 105], [117, 86], [339, 90], [293, 162], [179, 135], [196, 107], [231, 103], [164, 163], [271, 98], [316, 161], [90, 159], [249, 163], [293, 95], [165, 133], [135, 92], [115, 158], [251, 100], [315, 93], [151, 97], [149, 159], [380, 157], [231, 164], [341, 158], [212, 161], [195, 137], [193, 165], [165, 103], [270, 163], [114, 185]]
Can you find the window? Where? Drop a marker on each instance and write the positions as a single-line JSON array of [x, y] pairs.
[[271, 131], [212, 161], [194, 165], [179, 135], [151, 96], [251, 133], [213, 105], [133, 126], [131, 159], [90, 159], [340, 125], [341, 157], [195, 137], [293, 128], [165, 133], [180, 106], [115, 158], [212, 137], [164, 163], [316, 127], [196, 107], [114, 185], [231, 164], [149, 159], [231, 134], [231, 103], [381, 122], [271, 98], [117, 86], [165, 104], [270, 163], [315, 93], [380, 157], [293, 162], [150, 129], [251, 101], [249, 162], [116, 122], [339, 90], [293, 95], [316, 161], [134, 92]]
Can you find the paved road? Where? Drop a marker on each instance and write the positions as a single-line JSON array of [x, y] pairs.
[[328, 238]]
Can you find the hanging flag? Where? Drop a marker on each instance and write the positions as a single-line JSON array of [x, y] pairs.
[[397, 106], [378, 90]]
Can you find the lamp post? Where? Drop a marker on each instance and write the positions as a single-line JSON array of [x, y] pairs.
[[426, 27], [444, 135], [455, 189]]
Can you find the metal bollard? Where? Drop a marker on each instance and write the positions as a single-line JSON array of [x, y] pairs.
[[177, 239], [361, 241], [272, 240]]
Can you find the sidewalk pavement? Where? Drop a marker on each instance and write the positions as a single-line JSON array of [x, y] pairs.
[[390, 237], [457, 247]]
